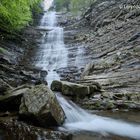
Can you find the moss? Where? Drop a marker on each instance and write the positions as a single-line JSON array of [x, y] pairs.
[[97, 104], [56, 86], [2, 50], [110, 105]]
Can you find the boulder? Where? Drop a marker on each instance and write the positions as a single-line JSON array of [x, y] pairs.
[[41, 107], [12, 98], [13, 129], [56, 86], [71, 89]]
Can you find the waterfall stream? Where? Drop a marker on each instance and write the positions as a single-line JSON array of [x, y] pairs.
[[52, 55], [80, 120]]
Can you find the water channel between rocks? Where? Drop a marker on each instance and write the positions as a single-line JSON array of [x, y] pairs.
[[51, 55]]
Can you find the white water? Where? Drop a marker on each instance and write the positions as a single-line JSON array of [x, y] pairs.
[[80, 120], [53, 55]]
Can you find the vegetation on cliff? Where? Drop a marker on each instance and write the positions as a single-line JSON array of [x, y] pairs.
[[15, 14], [74, 5]]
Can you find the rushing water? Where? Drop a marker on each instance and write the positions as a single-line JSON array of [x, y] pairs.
[[80, 120], [52, 55]]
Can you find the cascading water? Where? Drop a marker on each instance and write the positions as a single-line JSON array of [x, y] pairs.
[[80, 120], [52, 55]]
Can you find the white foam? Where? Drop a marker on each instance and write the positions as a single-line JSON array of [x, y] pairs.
[[80, 120]]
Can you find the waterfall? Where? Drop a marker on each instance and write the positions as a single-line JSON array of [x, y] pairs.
[[52, 55], [80, 120]]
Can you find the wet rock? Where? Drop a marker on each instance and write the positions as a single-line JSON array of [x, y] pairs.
[[5, 59], [98, 104], [12, 98], [110, 105], [134, 37], [69, 73], [56, 86], [35, 75], [63, 23], [109, 33], [108, 102], [6, 68], [88, 69], [93, 85], [3, 86], [43, 73], [17, 130], [71, 89], [40, 106], [93, 88], [14, 76]]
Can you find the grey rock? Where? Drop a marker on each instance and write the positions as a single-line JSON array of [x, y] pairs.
[[3, 86], [56, 86], [18, 130], [40, 106], [12, 98], [75, 89], [71, 89], [88, 69], [134, 37]]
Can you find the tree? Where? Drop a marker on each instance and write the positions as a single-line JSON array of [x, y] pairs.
[[72, 5], [80, 5], [62, 4], [15, 14]]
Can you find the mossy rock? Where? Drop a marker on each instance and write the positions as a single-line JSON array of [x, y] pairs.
[[41, 107], [56, 86]]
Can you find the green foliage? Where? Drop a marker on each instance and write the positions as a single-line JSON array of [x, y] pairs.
[[62, 4], [72, 5], [15, 14], [80, 5]]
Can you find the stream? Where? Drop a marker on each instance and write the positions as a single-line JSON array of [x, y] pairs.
[[51, 55]]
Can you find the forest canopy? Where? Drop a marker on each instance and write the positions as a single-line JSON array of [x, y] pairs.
[[15, 14], [72, 5]]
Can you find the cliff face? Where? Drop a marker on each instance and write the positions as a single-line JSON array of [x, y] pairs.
[[112, 38], [104, 12]]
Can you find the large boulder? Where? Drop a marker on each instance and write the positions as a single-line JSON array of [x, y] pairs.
[[79, 90], [71, 89], [41, 107]]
